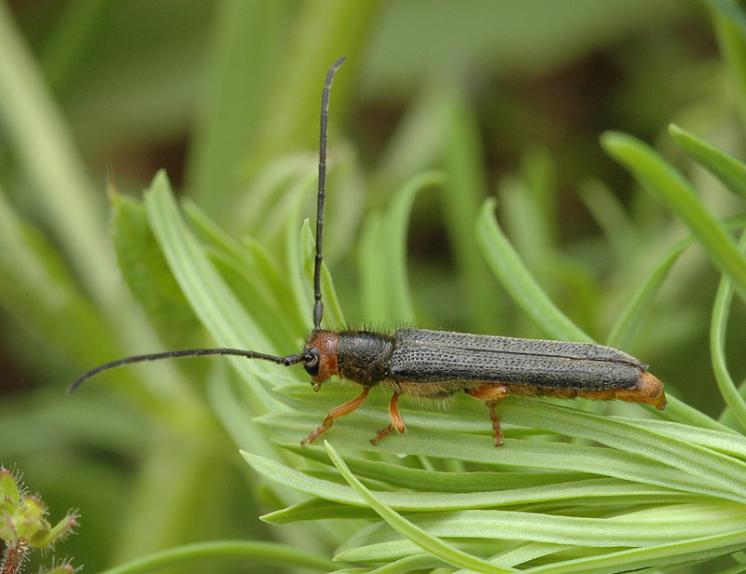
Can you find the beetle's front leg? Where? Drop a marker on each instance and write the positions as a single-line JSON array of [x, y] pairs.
[[335, 413]]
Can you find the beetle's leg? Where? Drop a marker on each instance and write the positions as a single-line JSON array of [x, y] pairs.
[[496, 429], [335, 413], [397, 422], [491, 394]]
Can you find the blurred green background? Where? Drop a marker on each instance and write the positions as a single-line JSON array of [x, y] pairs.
[[508, 97]]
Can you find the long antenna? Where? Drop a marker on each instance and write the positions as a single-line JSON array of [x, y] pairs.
[[287, 361], [318, 306]]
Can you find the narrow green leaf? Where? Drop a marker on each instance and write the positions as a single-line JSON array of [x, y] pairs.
[[48, 157], [40, 293], [408, 564], [462, 195], [243, 49], [318, 37], [47, 154], [694, 460], [664, 555], [394, 244], [385, 289], [638, 528], [725, 440], [517, 280], [360, 548], [291, 224], [524, 553], [146, 272], [260, 270], [681, 412], [720, 311], [212, 301], [254, 552], [665, 183], [634, 314], [425, 501], [64, 49], [443, 481], [730, 26], [609, 213], [722, 165], [372, 271], [445, 552], [316, 509]]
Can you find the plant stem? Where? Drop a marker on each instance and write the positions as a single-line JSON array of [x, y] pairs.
[[13, 558]]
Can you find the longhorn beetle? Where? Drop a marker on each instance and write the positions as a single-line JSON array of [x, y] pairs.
[[437, 364]]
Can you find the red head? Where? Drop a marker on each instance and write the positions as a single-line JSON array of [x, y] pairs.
[[321, 352]]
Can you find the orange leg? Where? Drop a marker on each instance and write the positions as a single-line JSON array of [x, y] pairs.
[[335, 413], [397, 422], [491, 394]]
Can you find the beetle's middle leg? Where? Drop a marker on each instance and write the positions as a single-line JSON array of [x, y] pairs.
[[491, 394], [335, 413], [397, 422]]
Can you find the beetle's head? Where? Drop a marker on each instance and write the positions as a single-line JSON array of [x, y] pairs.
[[320, 356]]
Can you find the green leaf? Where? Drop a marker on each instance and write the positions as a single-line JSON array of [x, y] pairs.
[[316, 509], [372, 272], [290, 120], [639, 528], [146, 272], [425, 501], [720, 311], [609, 213], [665, 183], [722, 165], [461, 198], [633, 316], [255, 277], [268, 553], [212, 300], [39, 292], [730, 25], [438, 548], [662, 555], [444, 481], [65, 47], [46, 153], [383, 257], [243, 49], [517, 280]]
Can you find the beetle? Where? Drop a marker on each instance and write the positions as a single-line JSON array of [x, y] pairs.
[[438, 364]]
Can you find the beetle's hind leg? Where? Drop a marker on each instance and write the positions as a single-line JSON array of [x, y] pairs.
[[491, 394], [335, 413], [397, 422]]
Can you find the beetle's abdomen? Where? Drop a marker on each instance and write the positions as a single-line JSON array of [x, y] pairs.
[[364, 357], [438, 356]]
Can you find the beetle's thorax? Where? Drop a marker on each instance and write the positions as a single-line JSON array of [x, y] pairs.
[[364, 357]]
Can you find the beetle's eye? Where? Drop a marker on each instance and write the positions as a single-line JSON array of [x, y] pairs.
[[311, 362]]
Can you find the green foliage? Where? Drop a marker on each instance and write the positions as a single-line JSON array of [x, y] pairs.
[[577, 487]]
